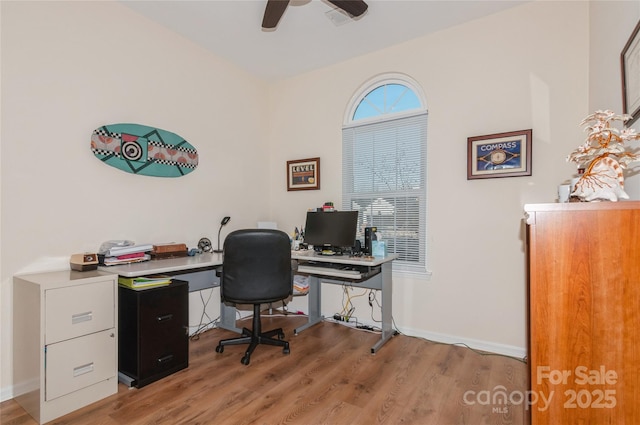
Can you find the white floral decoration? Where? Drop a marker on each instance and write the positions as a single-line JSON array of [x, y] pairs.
[[603, 155]]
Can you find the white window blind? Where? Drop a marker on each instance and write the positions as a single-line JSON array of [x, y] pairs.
[[384, 179]]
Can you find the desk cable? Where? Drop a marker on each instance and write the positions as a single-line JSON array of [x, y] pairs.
[[211, 322]]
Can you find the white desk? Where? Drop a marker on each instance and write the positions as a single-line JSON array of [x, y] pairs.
[[166, 265], [176, 266], [382, 281]]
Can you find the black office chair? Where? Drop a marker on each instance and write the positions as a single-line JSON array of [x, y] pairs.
[[256, 269]]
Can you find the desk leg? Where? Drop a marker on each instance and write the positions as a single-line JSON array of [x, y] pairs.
[[386, 303], [314, 299], [228, 318]]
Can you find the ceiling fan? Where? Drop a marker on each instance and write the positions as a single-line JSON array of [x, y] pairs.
[[275, 9]]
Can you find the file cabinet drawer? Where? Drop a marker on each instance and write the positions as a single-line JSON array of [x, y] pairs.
[[79, 310], [166, 340], [79, 363], [153, 336]]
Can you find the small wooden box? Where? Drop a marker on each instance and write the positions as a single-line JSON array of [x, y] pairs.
[[84, 262]]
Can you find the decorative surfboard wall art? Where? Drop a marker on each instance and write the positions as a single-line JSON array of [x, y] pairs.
[[140, 149]]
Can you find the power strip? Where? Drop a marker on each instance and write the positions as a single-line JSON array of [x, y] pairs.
[[352, 323], [365, 327], [340, 318]]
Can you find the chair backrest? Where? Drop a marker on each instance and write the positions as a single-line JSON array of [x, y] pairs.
[[256, 267]]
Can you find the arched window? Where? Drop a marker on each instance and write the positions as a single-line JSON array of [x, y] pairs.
[[384, 159]]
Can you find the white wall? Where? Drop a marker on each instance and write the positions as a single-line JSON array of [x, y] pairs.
[[527, 67], [611, 24], [69, 67]]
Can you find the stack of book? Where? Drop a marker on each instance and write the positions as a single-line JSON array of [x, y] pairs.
[[169, 250], [144, 282], [300, 284], [127, 254]]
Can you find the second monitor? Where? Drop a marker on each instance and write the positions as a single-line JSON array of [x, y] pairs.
[[331, 232]]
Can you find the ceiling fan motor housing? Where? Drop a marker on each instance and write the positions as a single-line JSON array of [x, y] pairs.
[[275, 9]]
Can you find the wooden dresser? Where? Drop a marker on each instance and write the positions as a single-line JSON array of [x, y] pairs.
[[584, 312]]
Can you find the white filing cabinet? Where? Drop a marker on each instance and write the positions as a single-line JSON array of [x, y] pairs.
[[65, 341]]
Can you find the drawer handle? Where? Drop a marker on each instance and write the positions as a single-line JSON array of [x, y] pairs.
[[165, 317], [81, 370], [81, 317], [165, 359]]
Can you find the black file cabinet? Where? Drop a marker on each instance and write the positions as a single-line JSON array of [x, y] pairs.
[[153, 332]]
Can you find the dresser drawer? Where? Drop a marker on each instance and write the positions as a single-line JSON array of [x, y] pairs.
[[79, 310], [79, 363]]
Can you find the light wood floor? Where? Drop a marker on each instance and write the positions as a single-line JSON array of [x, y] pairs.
[[330, 377]]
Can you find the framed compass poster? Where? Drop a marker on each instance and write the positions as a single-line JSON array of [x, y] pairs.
[[499, 155]]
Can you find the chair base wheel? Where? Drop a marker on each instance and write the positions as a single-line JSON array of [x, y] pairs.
[[255, 337]]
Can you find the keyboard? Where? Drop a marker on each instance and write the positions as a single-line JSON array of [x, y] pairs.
[[333, 269]]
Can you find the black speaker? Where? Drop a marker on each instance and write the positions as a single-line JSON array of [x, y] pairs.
[[357, 248], [369, 236]]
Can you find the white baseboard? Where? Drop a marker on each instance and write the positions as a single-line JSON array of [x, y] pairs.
[[6, 394], [491, 347], [200, 328]]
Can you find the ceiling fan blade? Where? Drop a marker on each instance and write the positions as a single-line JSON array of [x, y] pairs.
[[352, 7], [273, 12]]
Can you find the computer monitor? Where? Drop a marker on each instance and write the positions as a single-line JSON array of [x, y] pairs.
[[331, 231]]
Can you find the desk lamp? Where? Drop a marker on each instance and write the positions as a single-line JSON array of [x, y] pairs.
[[222, 223]]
